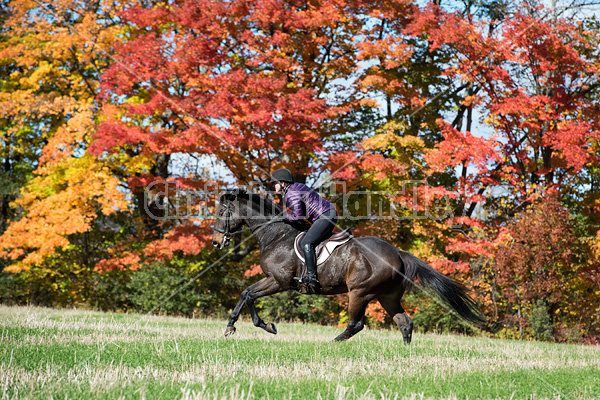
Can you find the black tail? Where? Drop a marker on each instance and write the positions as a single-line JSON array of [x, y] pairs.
[[451, 292]]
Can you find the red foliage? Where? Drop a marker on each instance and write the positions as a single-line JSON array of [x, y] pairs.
[[537, 132], [535, 263], [343, 165], [189, 239], [459, 148], [248, 80], [126, 260], [591, 340]]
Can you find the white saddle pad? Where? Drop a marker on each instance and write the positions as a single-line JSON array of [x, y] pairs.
[[324, 250]]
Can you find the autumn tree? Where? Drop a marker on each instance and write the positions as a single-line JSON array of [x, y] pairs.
[[251, 84], [533, 73], [52, 55], [537, 87], [512, 105], [538, 261]]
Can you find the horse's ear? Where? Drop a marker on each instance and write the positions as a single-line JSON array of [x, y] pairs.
[[232, 194]]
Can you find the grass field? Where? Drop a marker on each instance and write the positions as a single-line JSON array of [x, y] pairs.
[[81, 354]]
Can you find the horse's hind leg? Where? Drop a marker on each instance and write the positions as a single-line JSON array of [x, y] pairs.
[[405, 325], [393, 307], [357, 305]]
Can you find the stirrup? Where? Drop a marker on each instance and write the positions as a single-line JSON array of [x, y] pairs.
[[314, 282], [301, 279]]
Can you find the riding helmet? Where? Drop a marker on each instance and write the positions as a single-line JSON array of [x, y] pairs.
[[283, 175]]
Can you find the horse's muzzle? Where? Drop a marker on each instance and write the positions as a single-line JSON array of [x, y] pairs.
[[222, 244]]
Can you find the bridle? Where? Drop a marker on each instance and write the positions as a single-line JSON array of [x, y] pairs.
[[227, 231], [227, 234]]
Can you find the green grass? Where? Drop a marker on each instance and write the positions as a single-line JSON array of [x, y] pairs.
[[81, 354]]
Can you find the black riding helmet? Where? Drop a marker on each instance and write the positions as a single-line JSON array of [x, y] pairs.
[[283, 175]]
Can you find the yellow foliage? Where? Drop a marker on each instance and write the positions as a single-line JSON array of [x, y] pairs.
[[53, 87], [60, 204]]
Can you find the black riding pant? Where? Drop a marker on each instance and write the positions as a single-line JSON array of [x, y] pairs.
[[320, 229]]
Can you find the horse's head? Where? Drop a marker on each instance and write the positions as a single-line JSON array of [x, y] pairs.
[[228, 220]]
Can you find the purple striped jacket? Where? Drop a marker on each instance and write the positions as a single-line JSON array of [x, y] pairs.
[[304, 203]]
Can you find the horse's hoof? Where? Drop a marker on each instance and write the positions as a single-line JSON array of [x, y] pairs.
[[229, 331], [271, 328]]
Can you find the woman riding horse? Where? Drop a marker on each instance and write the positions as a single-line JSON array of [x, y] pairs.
[[367, 268], [305, 203]]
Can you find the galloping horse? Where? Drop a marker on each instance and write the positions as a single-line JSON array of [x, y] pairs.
[[367, 268]]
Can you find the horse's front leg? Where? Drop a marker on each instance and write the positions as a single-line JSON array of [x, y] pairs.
[[264, 287]]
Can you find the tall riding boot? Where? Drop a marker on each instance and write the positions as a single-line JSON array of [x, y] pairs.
[[311, 265]]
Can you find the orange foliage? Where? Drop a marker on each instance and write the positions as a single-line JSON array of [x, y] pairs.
[[254, 270], [375, 312]]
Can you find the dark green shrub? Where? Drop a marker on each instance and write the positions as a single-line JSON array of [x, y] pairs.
[[430, 315], [161, 288], [540, 322], [293, 306], [13, 290]]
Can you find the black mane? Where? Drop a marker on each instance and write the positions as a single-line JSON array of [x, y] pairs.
[[266, 206]]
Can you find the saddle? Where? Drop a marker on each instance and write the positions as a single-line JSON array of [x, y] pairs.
[[326, 247]]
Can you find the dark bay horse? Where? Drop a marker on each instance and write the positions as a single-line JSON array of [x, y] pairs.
[[367, 268]]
